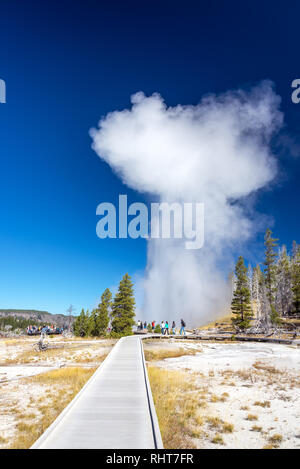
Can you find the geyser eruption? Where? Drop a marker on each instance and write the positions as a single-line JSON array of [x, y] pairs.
[[218, 153]]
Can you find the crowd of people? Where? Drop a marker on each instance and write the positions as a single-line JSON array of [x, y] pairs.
[[165, 328], [52, 329]]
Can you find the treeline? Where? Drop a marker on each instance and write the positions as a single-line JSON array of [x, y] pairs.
[[116, 314], [268, 293], [13, 323]]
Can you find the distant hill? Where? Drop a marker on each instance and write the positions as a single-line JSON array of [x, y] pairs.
[[38, 316]]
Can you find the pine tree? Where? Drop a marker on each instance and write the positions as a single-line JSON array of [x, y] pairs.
[[89, 324], [270, 273], [81, 324], [283, 293], [265, 317], [240, 305], [295, 279], [103, 312], [123, 308], [92, 327], [269, 263]]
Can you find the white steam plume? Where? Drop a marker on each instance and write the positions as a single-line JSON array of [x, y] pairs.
[[217, 152]]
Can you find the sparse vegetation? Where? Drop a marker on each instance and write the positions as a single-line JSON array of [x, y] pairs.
[[65, 383], [256, 428], [251, 417], [241, 303], [272, 293], [263, 404], [218, 440], [244, 407], [215, 398], [228, 427], [275, 439], [214, 422], [161, 354], [177, 407]]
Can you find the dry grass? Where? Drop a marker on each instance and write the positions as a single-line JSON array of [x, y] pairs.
[[256, 428], [32, 356], [178, 407], [90, 351], [261, 372], [215, 423], [228, 427], [222, 398], [74, 378], [263, 404], [12, 342], [275, 439], [244, 407], [266, 368], [251, 417], [65, 384], [218, 440], [161, 354]]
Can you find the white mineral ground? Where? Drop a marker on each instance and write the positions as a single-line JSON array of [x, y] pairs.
[[19, 360], [248, 373]]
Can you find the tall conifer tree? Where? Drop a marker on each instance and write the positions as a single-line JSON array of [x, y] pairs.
[[270, 264], [283, 294], [241, 305], [123, 308], [81, 324], [270, 273], [296, 280], [103, 312]]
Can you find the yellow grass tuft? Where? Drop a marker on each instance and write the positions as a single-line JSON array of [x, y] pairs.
[[251, 417], [263, 404], [177, 407], [228, 427], [161, 354], [218, 440], [65, 384], [256, 428], [275, 439]]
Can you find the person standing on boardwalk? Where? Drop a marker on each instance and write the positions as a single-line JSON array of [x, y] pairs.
[[167, 328], [182, 323], [153, 326], [162, 327], [173, 328]]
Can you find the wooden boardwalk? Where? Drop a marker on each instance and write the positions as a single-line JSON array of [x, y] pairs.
[[113, 410]]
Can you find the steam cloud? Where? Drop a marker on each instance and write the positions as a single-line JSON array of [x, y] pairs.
[[217, 152]]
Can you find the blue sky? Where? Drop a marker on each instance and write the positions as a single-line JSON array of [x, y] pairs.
[[68, 63]]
